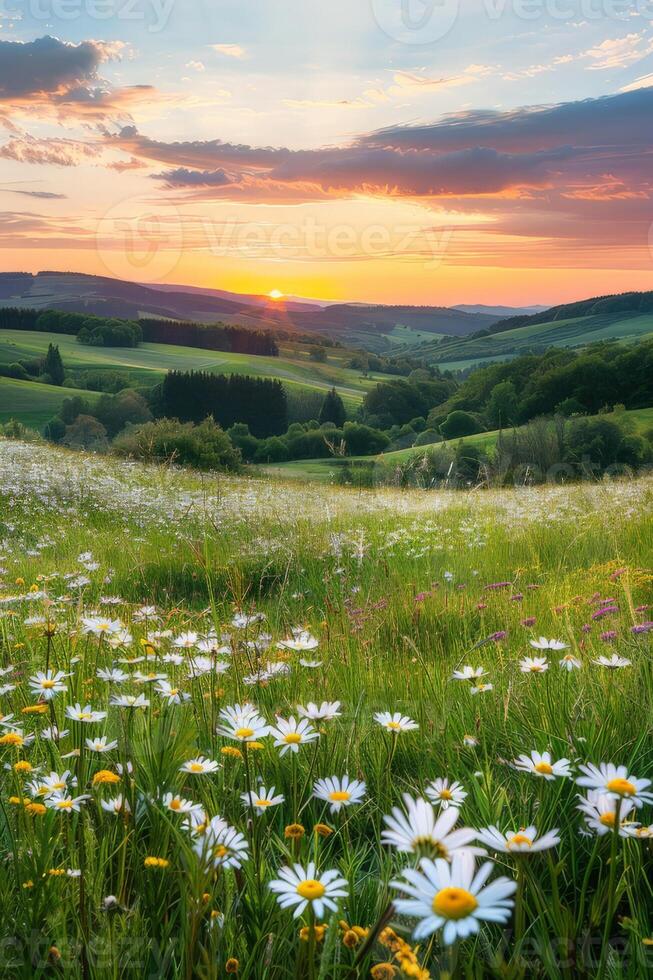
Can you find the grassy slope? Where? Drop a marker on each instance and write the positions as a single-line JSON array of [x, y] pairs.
[[461, 353], [323, 470], [148, 363], [32, 403]]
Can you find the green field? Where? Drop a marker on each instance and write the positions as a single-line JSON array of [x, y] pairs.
[[164, 631], [32, 403], [458, 353], [148, 363]]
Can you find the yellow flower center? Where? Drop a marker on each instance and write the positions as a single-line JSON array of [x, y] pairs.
[[262, 802], [446, 794], [310, 889], [65, 804], [173, 692], [220, 851], [394, 725], [454, 903], [175, 804], [339, 796], [518, 839], [535, 668], [244, 732], [430, 847], [622, 787], [196, 767], [607, 819], [293, 738], [47, 685], [544, 769]]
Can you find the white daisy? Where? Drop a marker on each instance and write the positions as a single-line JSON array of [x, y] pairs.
[[176, 803], [289, 734], [199, 766], [469, 673], [452, 897], [444, 794], [48, 684], [600, 813], [617, 782], [544, 644], [242, 723], [524, 841], [261, 799], [221, 846], [100, 744], [339, 793], [396, 722], [613, 662], [297, 887], [420, 831], [533, 665], [327, 711], [569, 662], [86, 714], [541, 764]]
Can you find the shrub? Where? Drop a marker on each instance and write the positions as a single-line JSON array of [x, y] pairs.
[[204, 446], [16, 371], [427, 438], [459, 424], [86, 433]]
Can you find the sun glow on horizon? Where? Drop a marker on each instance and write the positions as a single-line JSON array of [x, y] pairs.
[[275, 294]]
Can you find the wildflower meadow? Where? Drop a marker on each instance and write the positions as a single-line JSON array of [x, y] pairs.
[[289, 731]]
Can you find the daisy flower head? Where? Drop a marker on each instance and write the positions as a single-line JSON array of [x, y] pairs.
[[533, 665], [222, 846], [420, 831], [301, 642], [544, 644], [469, 674], [173, 695], [339, 793], [199, 766], [100, 744], [326, 711], [524, 841], [176, 803], [481, 688], [297, 887], [569, 663], [289, 734], [395, 723], [600, 813], [614, 662], [444, 793], [129, 701], [541, 764], [86, 715], [118, 804], [616, 782], [453, 897], [261, 799], [65, 803], [243, 723], [47, 685]]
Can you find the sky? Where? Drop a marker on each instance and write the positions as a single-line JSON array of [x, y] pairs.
[[396, 151]]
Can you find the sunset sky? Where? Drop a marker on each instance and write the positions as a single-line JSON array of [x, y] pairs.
[[479, 151]]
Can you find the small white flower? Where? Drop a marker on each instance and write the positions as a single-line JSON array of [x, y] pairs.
[[569, 662], [524, 841], [297, 887], [47, 685], [544, 644], [339, 793], [396, 722], [261, 799], [533, 665], [289, 734], [541, 764], [613, 662], [327, 711], [199, 766], [600, 812], [444, 794], [469, 673], [86, 714]]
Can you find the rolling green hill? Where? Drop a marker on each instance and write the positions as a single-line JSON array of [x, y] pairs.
[[32, 403], [460, 353], [148, 363]]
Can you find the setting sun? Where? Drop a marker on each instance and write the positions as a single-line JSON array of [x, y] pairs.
[[275, 294]]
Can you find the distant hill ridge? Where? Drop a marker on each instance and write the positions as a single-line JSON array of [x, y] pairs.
[[634, 302]]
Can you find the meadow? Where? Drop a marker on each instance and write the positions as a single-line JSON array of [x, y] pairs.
[[276, 730], [147, 364]]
